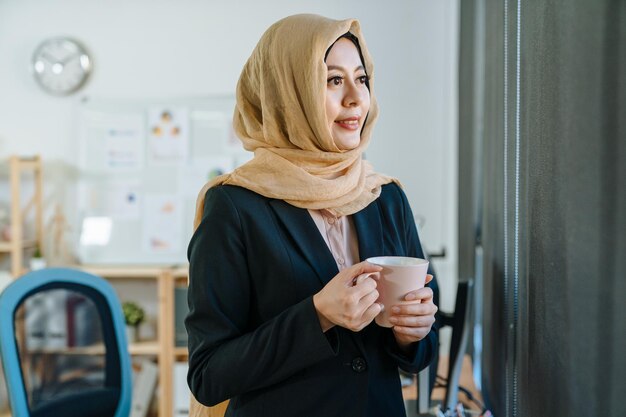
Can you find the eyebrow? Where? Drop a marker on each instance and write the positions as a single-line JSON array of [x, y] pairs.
[[335, 67]]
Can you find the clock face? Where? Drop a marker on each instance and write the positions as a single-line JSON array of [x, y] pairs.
[[61, 65]]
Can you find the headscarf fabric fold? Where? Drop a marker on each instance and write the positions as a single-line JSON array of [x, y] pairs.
[[280, 116]]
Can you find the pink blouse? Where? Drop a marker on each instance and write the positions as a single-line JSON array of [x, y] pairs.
[[339, 235]]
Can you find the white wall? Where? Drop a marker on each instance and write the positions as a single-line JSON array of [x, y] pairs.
[[160, 49]]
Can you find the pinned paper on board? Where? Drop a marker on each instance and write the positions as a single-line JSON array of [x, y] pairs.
[[96, 231], [117, 141], [195, 175], [162, 223], [124, 144], [120, 199], [168, 134]]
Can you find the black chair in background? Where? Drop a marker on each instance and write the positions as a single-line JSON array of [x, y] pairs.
[[461, 322]]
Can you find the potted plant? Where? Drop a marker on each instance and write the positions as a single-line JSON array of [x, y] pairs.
[[37, 261], [134, 315]]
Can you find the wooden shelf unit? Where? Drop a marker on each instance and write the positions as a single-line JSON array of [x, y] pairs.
[[16, 246], [150, 347], [164, 347]]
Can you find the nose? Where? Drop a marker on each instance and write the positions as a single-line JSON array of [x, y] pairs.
[[352, 97]]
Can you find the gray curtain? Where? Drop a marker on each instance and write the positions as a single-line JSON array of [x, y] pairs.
[[542, 183]]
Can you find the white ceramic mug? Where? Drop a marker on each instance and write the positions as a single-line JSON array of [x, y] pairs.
[[400, 276]]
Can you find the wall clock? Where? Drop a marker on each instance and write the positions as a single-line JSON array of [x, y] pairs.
[[61, 65]]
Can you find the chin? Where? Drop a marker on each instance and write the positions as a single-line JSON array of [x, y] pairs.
[[347, 144]]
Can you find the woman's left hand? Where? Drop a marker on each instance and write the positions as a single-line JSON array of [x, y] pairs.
[[412, 322]]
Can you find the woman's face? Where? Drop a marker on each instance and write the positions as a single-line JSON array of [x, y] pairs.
[[347, 96]]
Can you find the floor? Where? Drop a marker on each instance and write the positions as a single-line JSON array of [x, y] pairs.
[[466, 380]]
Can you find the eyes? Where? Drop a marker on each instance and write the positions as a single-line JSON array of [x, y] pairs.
[[338, 80]]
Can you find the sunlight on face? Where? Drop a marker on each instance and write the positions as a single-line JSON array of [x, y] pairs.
[[347, 96]]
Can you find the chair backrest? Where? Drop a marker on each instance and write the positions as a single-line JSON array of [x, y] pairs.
[[461, 322], [63, 346]]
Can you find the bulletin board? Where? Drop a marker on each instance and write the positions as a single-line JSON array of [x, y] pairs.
[[142, 164]]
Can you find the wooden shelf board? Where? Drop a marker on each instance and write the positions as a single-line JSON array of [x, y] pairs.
[[144, 348], [181, 272], [8, 246], [29, 164], [131, 271], [150, 347], [181, 351], [83, 350], [122, 271]]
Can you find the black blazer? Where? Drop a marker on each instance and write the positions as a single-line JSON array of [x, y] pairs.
[[254, 335]]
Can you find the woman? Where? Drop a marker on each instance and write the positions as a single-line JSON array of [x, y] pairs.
[[279, 323]]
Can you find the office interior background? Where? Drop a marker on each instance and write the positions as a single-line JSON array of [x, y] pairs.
[[504, 121]]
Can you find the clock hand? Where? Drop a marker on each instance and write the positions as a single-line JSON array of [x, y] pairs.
[[49, 58], [70, 58]]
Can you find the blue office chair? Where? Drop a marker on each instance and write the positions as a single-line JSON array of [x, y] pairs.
[[63, 346]]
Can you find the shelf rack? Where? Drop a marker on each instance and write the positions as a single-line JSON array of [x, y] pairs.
[[18, 166]]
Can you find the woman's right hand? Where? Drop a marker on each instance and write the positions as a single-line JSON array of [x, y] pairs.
[[348, 302]]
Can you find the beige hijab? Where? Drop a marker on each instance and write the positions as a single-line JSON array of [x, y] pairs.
[[281, 117]]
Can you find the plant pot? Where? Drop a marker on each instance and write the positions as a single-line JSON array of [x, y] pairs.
[[37, 263], [131, 333]]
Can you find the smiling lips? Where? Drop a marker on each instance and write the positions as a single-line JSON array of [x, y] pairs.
[[351, 123]]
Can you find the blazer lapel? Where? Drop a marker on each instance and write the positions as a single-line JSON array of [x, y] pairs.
[[369, 230], [301, 227]]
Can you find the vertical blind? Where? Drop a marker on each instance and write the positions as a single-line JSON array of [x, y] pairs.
[[542, 184]]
